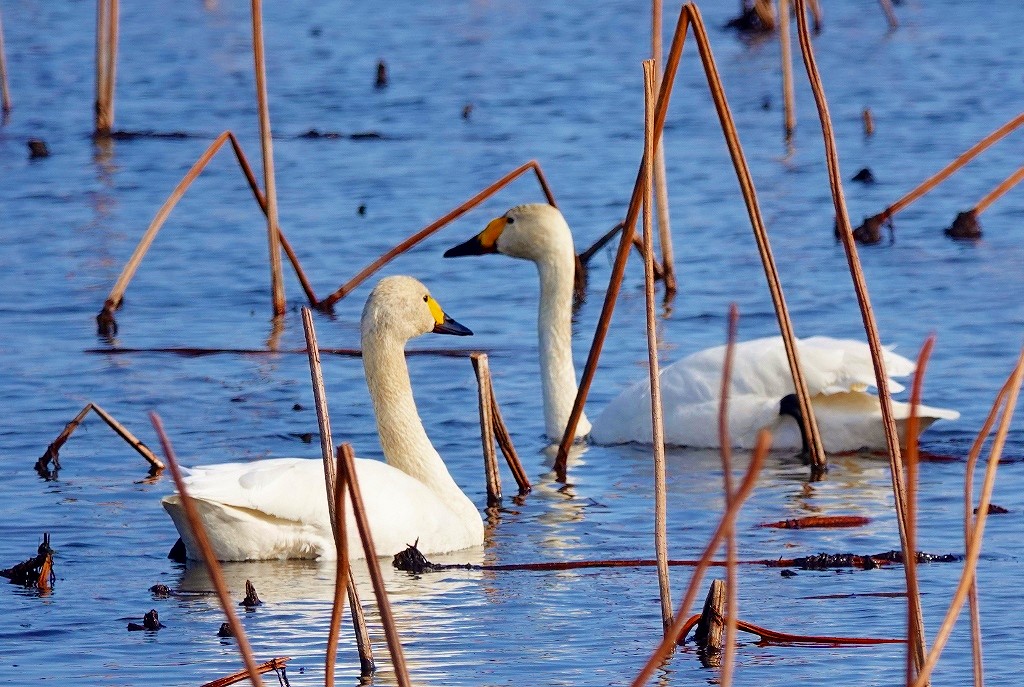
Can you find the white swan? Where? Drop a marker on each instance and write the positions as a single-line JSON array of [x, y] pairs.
[[277, 508], [838, 371]]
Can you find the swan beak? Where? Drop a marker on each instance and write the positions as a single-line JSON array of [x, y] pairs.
[[444, 324], [450, 326], [481, 244]]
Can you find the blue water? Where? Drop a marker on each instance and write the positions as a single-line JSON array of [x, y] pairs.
[[560, 83]]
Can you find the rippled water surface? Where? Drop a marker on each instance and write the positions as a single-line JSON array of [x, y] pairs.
[[559, 82]]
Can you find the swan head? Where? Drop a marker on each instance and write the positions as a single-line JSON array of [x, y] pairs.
[[402, 307], [535, 231]]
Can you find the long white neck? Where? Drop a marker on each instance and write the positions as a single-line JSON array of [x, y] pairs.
[[402, 436], [554, 328]]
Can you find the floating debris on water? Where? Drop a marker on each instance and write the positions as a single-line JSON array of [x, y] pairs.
[[251, 600], [36, 571], [150, 622]]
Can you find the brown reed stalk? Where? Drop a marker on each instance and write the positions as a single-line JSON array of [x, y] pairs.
[[864, 301], [869, 122], [243, 162], [974, 549], [116, 294], [890, 14], [155, 464], [668, 260], [437, 225], [657, 412], [113, 29], [1004, 186], [484, 395], [731, 577], [104, 117], [5, 88], [347, 466], [342, 577], [664, 649], [267, 144], [275, 664], [911, 462], [323, 417], [972, 460], [788, 102], [944, 173], [622, 253], [504, 439], [213, 566], [689, 13]]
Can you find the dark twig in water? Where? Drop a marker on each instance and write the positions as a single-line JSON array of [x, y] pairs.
[[819, 521], [150, 622], [51, 456], [504, 439], [484, 391], [36, 571], [251, 599], [776, 638], [348, 352], [5, 90]]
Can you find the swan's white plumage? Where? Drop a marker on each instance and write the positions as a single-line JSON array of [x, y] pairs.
[[277, 508], [838, 371]]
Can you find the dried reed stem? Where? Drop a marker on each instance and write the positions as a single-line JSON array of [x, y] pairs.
[[864, 301], [910, 462], [869, 122], [974, 549], [890, 14], [267, 144], [664, 649], [191, 352], [622, 253], [668, 260], [944, 173], [484, 396], [155, 464], [689, 13], [972, 461], [113, 23], [435, 226], [104, 115], [347, 467], [732, 579], [657, 413], [342, 578], [243, 162], [993, 195], [788, 102], [275, 664], [213, 566], [504, 439], [330, 480], [5, 89], [116, 294], [746, 182]]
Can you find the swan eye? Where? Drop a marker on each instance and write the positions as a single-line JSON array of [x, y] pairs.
[[510, 220], [426, 298]]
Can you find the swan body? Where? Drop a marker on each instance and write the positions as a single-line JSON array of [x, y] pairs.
[[838, 371], [277, 508]]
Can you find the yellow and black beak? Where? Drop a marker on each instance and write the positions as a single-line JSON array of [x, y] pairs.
[[481, 244], [444, 324]]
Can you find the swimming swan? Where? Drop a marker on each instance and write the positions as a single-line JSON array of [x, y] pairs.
[[838, 371], [277, 508]]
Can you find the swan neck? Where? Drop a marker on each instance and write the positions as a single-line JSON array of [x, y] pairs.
[[403, 438], [554, 327]]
